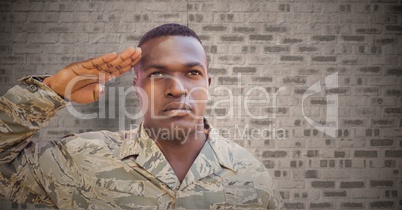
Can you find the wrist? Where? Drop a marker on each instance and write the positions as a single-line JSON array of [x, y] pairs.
[[47, 81]]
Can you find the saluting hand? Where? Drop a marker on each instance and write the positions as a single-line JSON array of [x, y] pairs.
[[83, 82]]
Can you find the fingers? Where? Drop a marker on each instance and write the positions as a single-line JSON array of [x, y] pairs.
[[125, 69], [96, 63], [110, 62], [122, 60]]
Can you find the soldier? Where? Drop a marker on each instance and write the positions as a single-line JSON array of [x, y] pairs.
[[174, 160]]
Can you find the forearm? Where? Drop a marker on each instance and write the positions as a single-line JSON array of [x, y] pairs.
[[24, 109]]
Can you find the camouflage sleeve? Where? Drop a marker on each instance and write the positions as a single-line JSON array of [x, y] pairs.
[[24, 109]]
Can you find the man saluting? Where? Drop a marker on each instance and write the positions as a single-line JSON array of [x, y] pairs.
[[194, 168]]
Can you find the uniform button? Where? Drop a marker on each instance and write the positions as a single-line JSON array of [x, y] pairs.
[[33, 88]]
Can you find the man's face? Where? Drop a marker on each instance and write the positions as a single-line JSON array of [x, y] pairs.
[[173, 76]]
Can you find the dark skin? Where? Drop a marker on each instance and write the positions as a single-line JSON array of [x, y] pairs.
[[173, 74], [172, 71]]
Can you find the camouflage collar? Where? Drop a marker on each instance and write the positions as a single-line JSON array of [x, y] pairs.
[[214, 155]]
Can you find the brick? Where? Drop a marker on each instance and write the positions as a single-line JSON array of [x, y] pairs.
[[381, 183], [353, 38], [231, 59], [277, 49], [274, 154], [392, 91], [323, 38], [365, 153], [229, 18], [393, 111], [345, 163], [260, 37], [363, 194], [336, 194], [394, 72], [295, 205], [264, 79], [354, 122], [244, 29], [321, 205], [59, 27], [352, 205], [323, 184], [381, 142], [275, 29], [324, 58], [234, 38], [291, 58], [382, 204], [244, 70], [339, 91], [288, 40], [393, 153], [214, 28], [349, 185], [217, 71], [393, 28], [367, 91], [368, 30], [227, 80], [307, 49], [309, 174]]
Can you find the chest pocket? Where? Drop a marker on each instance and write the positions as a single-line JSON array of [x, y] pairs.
[[239, 194]]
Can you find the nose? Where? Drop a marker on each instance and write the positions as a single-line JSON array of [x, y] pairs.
[[175, 88]]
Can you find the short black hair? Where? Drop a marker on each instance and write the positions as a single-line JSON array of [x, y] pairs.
[[170, 29]]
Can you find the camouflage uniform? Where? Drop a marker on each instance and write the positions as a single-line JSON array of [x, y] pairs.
[[116, 170]]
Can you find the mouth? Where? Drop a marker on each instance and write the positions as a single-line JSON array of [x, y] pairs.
[[177, 109]]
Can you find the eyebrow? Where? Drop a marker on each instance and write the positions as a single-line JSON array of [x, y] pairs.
[[163, 67]]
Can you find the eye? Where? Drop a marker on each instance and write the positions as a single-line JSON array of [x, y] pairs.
[[194, 73], [155, 74]]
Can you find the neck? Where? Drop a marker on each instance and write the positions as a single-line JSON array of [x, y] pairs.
[[182, 151], [183, 148]]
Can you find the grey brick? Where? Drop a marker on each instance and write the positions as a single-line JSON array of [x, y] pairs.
[[331, 194], [292, 58], [393, 153], [320, 205], [274, 154], [394, 28], [309, 174], [323, 184], [217, 71], [244, 29], [214, 28], [294, 80], [234, 38], [296, 205], [291, 40], [351, 185], [277, 49], [393, 110], [382, 204], [227, 80], [381, 142], [394, 72], [324, 58], [261, 37], [264, 79], [352, 205], [365, 153], [244, 70], [275, 29], [381, 183], [323, 38]]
